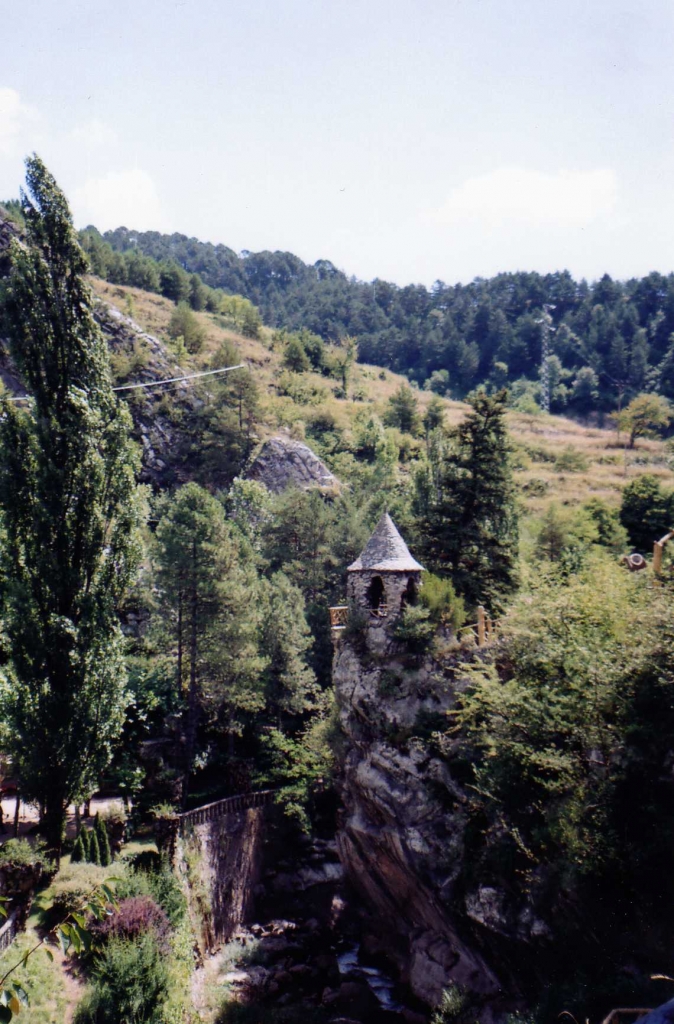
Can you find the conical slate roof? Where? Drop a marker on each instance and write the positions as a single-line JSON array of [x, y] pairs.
[[386, 551]]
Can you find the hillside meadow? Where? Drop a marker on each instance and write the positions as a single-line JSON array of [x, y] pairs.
[[557, 459]]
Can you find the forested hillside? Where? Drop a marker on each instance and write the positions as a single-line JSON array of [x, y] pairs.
[[180, 628], [609, 340]]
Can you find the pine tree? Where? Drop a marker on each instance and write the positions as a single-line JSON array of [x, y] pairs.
[[465, 507], [291, 688], [85, 839], [209, 601], [402, 411], [103, 841], [78, 853], [94, 850], [68, 517]]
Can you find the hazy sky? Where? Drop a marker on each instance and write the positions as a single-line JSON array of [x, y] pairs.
[[404, 140]]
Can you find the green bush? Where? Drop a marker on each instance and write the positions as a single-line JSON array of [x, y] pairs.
[[103, 842], [452, 1007], [20, 851], [77, 854], [85, 837], [131, 983], [445, 607], [571, 461], [184, 324], [94, 850], [159, 882], [415, 629]]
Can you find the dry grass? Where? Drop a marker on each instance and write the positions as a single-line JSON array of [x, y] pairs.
[[539, 439]]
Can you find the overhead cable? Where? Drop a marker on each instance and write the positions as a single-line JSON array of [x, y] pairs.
[[155, 383]]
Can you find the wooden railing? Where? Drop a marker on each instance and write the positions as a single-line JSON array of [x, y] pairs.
[[221, 808], [658, 549], [484, 630], [339, 616]]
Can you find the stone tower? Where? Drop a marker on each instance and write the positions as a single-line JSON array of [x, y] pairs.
[[385, 577]]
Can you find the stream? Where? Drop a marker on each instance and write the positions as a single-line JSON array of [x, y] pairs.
[[381, 984]]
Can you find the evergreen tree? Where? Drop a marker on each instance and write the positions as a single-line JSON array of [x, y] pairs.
[[68, 515], [85, 839], [78, 853], [434, 416], [184, 324], [94, 849], [290, 684], [103, 841], [210, 607], [465, 506], [646, 512], [223, 434], [295, 358], [402, 410]]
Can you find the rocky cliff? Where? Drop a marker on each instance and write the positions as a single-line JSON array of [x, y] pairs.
[[402, 838]]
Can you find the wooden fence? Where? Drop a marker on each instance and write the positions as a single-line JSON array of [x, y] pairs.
[[221, 808], [484, 630]]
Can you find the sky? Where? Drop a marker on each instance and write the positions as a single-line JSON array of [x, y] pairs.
[[410, 140]]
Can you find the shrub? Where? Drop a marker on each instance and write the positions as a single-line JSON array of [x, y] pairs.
[[646, 512], [78, 853], [103, 842], [131, 983], [134, 917], [295, 358], [536, 487], [156, 881], [20, 851], [94, 851], [85, 838], [415, 629], [184, 324], [452, 1006], [571, 461], [445, 607], [148, 860], [61, 905]]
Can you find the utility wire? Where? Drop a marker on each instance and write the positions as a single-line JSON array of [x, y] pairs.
[[155, 383]]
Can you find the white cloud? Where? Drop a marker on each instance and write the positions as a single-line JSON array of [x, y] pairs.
[[518, 196], [94, 134], [15, 118], [127, 198]]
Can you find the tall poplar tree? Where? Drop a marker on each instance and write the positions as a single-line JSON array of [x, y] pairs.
[[69, 512], [465, 506]]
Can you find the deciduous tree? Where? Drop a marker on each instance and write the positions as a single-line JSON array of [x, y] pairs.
[[69, 511]]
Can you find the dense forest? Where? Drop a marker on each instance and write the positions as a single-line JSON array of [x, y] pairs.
[[608, 340]]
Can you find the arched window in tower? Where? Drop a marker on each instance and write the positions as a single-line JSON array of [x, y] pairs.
[[409, 594], [376, 596]]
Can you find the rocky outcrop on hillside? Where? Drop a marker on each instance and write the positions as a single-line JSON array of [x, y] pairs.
[[402, 839], [282, 463], [159, 426]]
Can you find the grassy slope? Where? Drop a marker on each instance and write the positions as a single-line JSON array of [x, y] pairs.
[[540, 439]]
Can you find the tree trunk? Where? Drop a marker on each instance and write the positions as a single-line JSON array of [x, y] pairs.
[[180, 643], [53, 825], [16, 814]]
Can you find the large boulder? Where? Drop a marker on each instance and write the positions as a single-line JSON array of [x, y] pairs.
[[282, 463]]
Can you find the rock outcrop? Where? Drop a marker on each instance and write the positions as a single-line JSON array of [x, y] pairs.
[[283, 462], [401, 840], [158, 425]]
